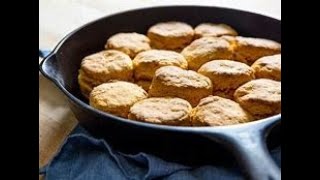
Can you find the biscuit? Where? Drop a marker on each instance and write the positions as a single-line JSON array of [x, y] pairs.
[[116, 97], [162, 110], [210, 29], [268, 67], [173, 81], [226, 74], [145, 84], [218, 111], [85, 79], [146, 63], [248, 49], [261, 97], [103, 66], [85, 87], [206, 49], [170, 35], [129, 43], [107, 65]]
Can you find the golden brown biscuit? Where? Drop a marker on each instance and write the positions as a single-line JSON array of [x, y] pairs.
[[85, 87], [206, 49], [226, 74], [210, 29], [116, 97], [170, 35], [248, 49], [129, 43], [268, 67], [162, 110], [261, 97], [85, 79], [173, 81], [146, 63], [107, 65], [104, 66], [145, 84], [218, 111]]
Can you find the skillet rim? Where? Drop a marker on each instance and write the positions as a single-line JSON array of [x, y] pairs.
[[87, 107]]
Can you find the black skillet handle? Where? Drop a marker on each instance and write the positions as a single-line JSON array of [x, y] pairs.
[[48, 66], [249, 147]]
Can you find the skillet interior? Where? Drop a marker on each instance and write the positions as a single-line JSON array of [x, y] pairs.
[[92, 37]]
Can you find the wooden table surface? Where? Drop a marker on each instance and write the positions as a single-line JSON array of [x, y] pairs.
[[59, 17]]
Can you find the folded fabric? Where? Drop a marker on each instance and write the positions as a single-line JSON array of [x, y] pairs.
[[82, 157]]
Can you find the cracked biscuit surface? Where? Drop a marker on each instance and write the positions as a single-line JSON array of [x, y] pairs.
[[261, 97], [176, 82], [218, 111], [211, 29], [268, 67], [206, 49], [146, 63], [129, 43], [162, 110], [116, 97], [249, 49], [170, 35]]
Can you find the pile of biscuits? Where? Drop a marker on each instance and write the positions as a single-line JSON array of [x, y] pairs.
[[185, 76]]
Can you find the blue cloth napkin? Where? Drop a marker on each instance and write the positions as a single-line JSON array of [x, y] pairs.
[[82, 157]]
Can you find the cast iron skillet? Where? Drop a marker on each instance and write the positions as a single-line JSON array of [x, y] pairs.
[[246, 141]]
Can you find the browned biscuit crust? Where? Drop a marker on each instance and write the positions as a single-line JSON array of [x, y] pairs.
[[206, 49], [268, 67], [162, 110], [170, 35], [218, 111], [216, 30], [248, 49], [261, 97], [173, 81], [116, 97], [129, 43], [226, 74], [146, 63]]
